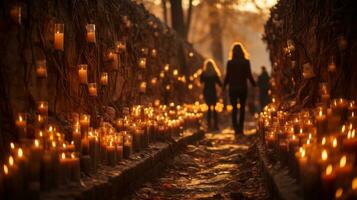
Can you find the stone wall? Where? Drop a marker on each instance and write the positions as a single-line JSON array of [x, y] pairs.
[[22, 44], [313, 42]]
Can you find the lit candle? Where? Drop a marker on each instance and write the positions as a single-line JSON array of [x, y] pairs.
[[154, 81], [175, 72], [42, 107], [64, 169], [92, 149], [153, 53], [84, 120], [59, 37], [344, 168], [142, 63], [127, 148], [21, 123], [90, 33], [75, 168], [111, 56], [328, 179], [142, 88], [92, 89], [41, 69], [120, 46], [104, 78], [321, 123], [111, 154], [83, 73], [76, 136]]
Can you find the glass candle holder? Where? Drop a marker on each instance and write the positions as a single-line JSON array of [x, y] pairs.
[[59, 37], [15, 14], [104, 78], [41, 69], [142, 63], [83, 73], [90, 33], [92, 89], [42, 107]]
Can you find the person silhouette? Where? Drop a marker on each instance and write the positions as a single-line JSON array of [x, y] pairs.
[[263, 84], [210, 77], [237, 74]]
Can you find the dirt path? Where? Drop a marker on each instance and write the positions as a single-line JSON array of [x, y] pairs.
[[221, 166]]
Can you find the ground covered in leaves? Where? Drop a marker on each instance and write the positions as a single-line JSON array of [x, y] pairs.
[[221, 166]]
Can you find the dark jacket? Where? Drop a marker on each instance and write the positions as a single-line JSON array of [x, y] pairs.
[[238, 72], [263, 83], [209, 89]]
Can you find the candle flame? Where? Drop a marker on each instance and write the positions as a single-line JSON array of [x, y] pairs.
[[72, 155], [338, 193], [328, 170], [294, 137], [6, 169], [323, 142], [343, 161], [12, 145], [320, 113], [301, 131], [72, 142], [343, 128], [11, 161], [302, 152], [64, 145], [334, 143], [20, 153], [53, 144], [308, 141], [354, 184], [324, 155], [37, 143], [63, 155]]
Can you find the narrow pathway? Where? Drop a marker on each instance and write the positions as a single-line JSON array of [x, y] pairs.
[[221, 166]]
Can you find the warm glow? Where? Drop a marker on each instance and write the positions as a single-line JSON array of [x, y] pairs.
[[12, 145], [343, 161], [37, 143], [20, 153], [334, 143], [294, 137], [72, 155], [343, 128], [6, 170], [323, 142], [11, 161], [339, 193], [354, 184], [53, 144], [324, 155], [329, 170], [63, 156]]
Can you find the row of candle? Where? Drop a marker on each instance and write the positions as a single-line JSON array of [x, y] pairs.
[[318, 145], [51, 158]]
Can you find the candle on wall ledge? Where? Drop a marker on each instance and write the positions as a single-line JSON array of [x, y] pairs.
[[90, 33], [120, 46], [92, 89], [83, 73], [142, 88], [42, 107], [84, 120], [142, 63], [104, 78], [41, 69], [21, 123], [59, 37], [153, 53]]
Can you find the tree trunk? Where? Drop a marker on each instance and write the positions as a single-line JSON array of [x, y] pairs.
[[216, 36], [177, 17], [164, 10]]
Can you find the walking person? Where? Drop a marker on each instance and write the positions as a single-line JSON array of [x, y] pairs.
[[263, 84], [238, 72], [210, 77]]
